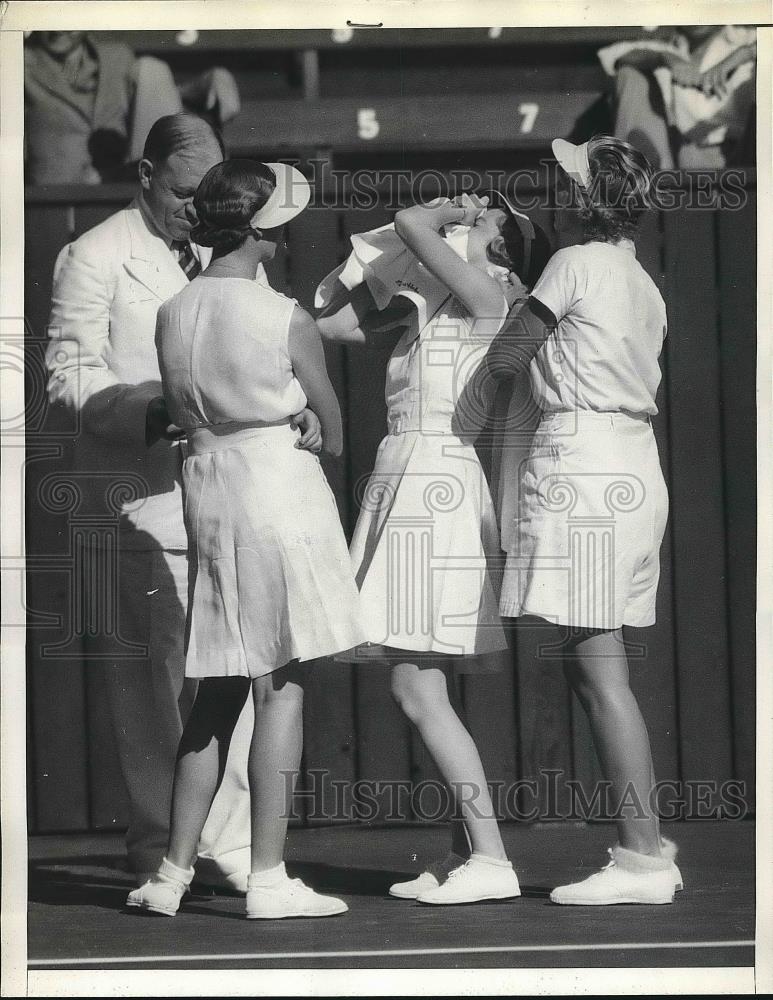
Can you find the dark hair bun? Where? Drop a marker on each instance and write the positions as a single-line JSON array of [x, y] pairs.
[[224, 240], [226, 200]]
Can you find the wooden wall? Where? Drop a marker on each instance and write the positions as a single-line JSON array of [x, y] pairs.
[[693, 672]]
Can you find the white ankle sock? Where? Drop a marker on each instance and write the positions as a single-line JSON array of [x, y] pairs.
[[668, 849], [270, 876], [497, 862], [166, 870], [642, 863]]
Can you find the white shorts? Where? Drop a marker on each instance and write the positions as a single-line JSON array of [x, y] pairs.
[[592, 507]]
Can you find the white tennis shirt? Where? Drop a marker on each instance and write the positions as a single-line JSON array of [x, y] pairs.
[[603, 355]]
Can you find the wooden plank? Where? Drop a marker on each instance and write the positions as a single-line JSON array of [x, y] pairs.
[[46, 230], [544, 718], [69, 195], [737, 269], [59, 721], [489, 701], [429, 795], [109, 805], [206, 43], [314, 244], [651, 651], [697, 498], [89, 215], [383, 743], [330, 743], [649, 247], [31, 765], [518, 119], [585, 765]]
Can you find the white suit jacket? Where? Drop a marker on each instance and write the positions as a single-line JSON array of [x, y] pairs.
[[108, 286]]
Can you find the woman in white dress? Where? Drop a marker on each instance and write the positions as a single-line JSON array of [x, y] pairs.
[[427, 535], [271, 583]]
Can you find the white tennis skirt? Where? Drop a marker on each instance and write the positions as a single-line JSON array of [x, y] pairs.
[[592, 507], [270, 575]]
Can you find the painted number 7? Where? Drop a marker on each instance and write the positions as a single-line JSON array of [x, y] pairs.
[[529, 112]]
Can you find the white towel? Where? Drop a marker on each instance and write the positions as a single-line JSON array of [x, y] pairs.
[[386, 265]]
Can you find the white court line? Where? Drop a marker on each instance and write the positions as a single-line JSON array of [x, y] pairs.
[[391, 953]]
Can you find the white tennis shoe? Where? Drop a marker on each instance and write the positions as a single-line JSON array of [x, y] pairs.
[[478, 879], [163, 891], [627, 878], [287, 897], [668, 849], [435, 874]]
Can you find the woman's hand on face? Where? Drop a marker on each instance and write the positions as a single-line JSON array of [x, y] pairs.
[[307, 422], [474, 207]]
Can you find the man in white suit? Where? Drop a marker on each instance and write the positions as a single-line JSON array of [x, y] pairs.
[[108, 286]]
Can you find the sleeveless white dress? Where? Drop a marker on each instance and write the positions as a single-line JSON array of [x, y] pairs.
[[270, 578], [426, 545]]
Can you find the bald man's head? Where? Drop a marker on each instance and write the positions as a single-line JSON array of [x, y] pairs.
[[179, 150]]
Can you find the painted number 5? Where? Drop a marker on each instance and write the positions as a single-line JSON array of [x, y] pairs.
[[367, 123], [529, 112]]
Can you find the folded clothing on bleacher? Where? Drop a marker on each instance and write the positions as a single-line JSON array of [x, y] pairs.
[[705, 119]]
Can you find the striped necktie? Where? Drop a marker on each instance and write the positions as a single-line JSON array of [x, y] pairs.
[[186, 259]]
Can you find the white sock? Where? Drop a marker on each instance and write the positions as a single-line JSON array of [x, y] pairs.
[[166, 870], [270, 876], [486, 860], [642, 864]]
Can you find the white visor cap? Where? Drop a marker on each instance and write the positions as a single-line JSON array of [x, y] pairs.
[[288, 199], [573, 160]]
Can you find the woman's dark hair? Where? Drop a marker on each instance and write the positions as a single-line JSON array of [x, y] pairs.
[[509, 251], [226, 200], [619, 195], [178, 133]]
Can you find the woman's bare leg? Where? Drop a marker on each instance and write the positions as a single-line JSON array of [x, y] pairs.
[[201, 760], [597, 670], [460, 838], [422, 693], [275, 758]]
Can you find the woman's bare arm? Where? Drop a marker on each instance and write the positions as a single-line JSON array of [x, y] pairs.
[[352, 318], [308, 360], [419, 228]]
